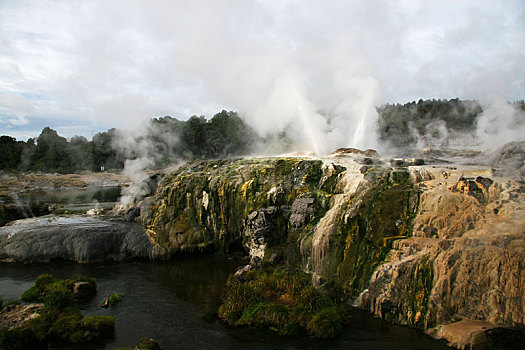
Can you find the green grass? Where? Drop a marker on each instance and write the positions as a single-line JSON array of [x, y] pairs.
[[282, 301]]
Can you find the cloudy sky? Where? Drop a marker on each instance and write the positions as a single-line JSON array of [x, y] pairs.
[[84, 66]]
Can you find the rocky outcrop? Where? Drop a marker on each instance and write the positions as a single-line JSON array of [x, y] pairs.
[[510, 160], [260, 227], [224, 205], [76, 238], [416, 245], [464, 262]]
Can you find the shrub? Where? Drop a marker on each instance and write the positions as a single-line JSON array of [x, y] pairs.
[[325, 324], [280, 300]]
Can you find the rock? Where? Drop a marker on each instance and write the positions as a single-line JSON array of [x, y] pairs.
[[303, 211], [14, 315], [242, 270], [419, 246], [132, 213], [370, 153], [133, 195], [83, 290], [473, 334], [259, 230], [465, 261], [148, 344], [510, 160], [404, 162], [478, 188], [11, 211], [77, 238]]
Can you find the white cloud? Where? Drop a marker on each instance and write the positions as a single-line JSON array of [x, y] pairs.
[[279, 63]]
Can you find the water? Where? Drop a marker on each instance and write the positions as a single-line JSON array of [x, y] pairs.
[[73, 199], [175, 302]]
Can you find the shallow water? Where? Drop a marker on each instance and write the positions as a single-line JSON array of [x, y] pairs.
[[69, 199], [175, 302]]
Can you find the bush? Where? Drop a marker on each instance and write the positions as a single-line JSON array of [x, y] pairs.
[[325, 324], [280, 300]]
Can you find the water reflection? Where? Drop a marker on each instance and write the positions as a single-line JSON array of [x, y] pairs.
[[175, 303]]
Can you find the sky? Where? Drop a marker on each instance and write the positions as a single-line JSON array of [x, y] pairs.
[[82, 67]]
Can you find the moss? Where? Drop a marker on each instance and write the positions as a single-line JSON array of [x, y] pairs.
[[58, 295], [234, 189], [114, 298], [325, 324], [12, 302], [385, 213], [66, 327], [148, 344], [98, 327], [88, 290], [59, 321], [418, 290]]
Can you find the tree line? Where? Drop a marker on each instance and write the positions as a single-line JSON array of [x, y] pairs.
[[164, 139], [432, 122]]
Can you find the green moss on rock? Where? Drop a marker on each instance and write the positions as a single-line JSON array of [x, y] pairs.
[[377, 215], [203, 205], [59, 321]]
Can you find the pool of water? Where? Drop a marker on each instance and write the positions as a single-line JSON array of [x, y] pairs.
[[175, 302], [61, 200]]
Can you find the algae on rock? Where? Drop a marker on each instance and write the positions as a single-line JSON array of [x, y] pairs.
[[204, 205]]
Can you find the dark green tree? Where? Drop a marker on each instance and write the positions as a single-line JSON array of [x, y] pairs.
[[51, 153], [11, 152]]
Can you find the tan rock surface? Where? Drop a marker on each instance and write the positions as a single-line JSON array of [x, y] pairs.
[[475, 248]]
